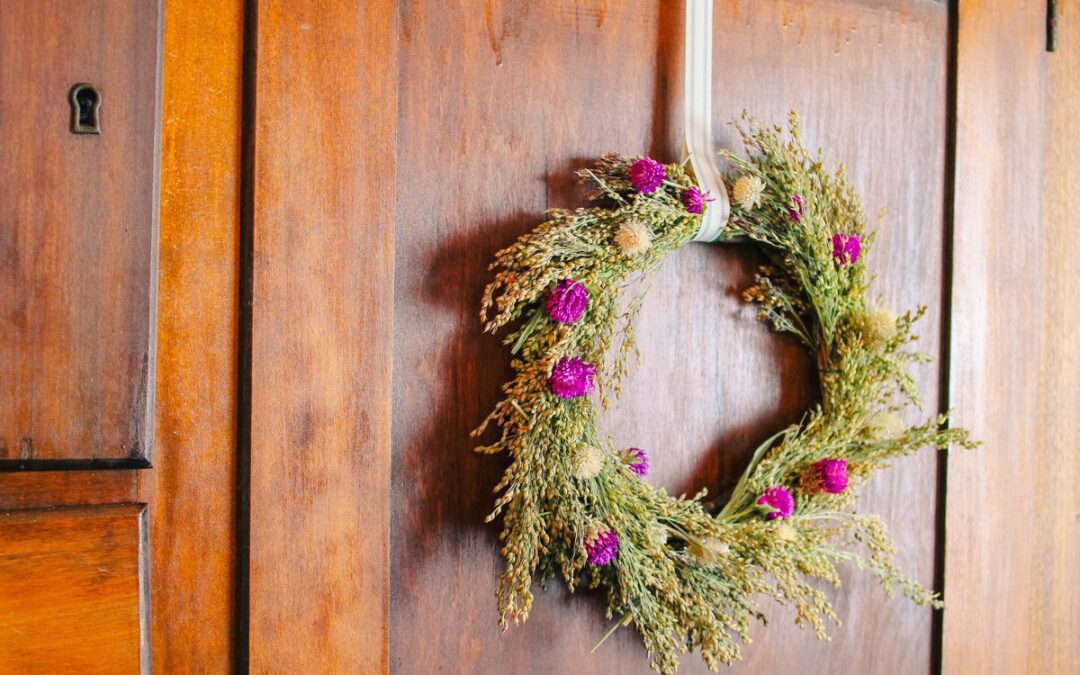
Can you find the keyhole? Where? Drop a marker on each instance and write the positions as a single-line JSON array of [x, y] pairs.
[[85, 106]]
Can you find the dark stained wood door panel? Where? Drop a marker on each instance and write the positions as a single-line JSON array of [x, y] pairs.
[[78, 232]]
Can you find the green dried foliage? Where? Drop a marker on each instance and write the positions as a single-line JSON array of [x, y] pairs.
[[688, 579]]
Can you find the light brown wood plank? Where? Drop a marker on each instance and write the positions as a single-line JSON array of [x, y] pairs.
[[71, 590], [1011, 506], [1054, 634], [191, 489], [77, 230], [326, 93], [500, 102]]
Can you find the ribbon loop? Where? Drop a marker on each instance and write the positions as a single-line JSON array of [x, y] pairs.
[[699, 142]]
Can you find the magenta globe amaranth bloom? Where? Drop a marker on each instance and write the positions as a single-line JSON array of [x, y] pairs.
[[571, 377], [567, 301], [637, 461], [779, 501], [694, 200], [832, 474], [846, 248], [646, 175], [601, 546], [825, 475], [796, 210]]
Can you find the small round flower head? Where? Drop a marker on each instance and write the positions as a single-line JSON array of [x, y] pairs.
[[571, 377], [826, 475], [779, 502], [709, 551], [795, 212], [884, 426], [636, 460], [587, 462], [879, 326], [747, 192], [601, 545], [786, 532], [646, 174], [846, 248], [567, 301], [656, 537], [633, 238], [694, 200]]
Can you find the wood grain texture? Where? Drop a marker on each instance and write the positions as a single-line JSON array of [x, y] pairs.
[[30, 490], [1012, 574], [77, 229], [500, 101], [1055, 582], [72, 591], [190, 490], [326, 95]]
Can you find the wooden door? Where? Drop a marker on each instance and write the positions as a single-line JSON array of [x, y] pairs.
[[333, 179], [118, 336]]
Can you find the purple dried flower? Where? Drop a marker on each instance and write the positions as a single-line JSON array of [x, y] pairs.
[[846, 248], [647, 174], [779, 500], [601, 546], [636, 460], [831, 475], [567, 301], [571, 377], [796, 210], [694, 200]]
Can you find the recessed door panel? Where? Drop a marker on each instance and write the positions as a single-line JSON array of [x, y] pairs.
[[73, 598], [79, 101]]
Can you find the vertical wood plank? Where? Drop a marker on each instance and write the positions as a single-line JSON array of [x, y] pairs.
[[1011, 508], [190, 489], [501, 100], [1055, 581], [325, 120]]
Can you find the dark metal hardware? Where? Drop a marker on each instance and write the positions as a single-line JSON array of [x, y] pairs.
[[85, 102], [1051, 25]]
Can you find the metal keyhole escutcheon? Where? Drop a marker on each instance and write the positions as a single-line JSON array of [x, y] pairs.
[[85, 102]]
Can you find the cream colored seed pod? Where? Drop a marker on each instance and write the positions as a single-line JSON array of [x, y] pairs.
[[587, 462], [633, 238]]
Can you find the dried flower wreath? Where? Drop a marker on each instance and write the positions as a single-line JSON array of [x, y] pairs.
[[576, 507]]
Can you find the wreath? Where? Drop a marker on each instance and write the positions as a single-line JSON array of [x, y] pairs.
[[688, 575]]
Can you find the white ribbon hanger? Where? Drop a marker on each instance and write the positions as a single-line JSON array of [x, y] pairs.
[[699, 141]]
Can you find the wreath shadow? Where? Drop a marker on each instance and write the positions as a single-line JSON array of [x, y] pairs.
[[474, 365], [443, 488]]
